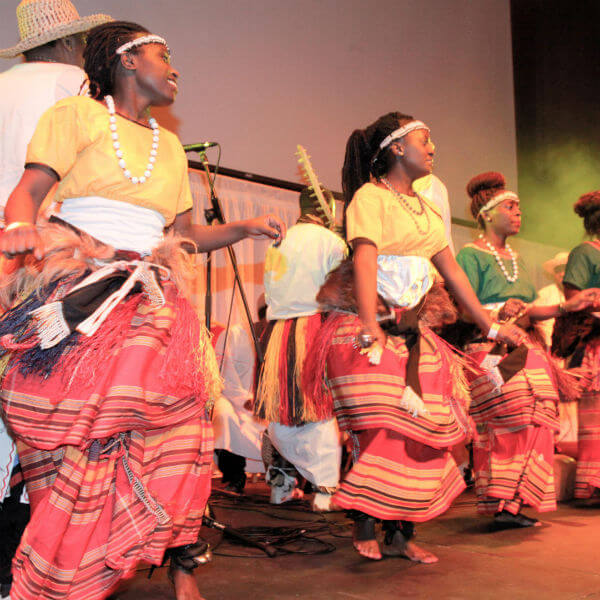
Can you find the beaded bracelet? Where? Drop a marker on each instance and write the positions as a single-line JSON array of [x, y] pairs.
[[492, 334]]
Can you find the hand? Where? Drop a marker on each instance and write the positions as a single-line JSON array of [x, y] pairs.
[[582, 300], [268, 226], [512, 308], [20, 241], [374, 332], [511, 335]]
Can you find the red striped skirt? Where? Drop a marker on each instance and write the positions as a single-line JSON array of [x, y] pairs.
[[97, 512], [530, 396], [587, 478], [513, 469], [404, 469], [398, 478], [115, 448]]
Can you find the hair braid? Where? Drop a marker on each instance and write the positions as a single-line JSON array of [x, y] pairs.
[[364, 158], [100, 54]]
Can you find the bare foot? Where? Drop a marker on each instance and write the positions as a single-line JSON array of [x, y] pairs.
[[185, 586], [418, 554], [367, 548], [400, 546]]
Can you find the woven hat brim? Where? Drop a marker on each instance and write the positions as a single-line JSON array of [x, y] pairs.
[[56, 33]]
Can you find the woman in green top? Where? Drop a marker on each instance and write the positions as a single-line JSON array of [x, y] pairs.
[[515, 404], [583, 272]]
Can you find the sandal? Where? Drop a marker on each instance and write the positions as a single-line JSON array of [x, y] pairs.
[[507, 520]]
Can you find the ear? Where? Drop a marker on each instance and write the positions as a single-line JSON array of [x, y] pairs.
[[398, 149], [129, 62]]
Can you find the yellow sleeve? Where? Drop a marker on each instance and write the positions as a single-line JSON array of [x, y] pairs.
[[60, 134], [364, 217], [185, 200]]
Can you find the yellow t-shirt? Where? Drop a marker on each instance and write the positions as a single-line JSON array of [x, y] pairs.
[[74, 139], [378, 215]]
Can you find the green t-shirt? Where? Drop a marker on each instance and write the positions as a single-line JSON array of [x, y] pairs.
[[583, 266], [488, 281]]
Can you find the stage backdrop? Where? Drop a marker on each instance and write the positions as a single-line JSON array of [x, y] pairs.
[[261, 76]]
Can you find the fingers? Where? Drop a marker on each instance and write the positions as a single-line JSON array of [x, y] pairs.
[[20, 241]]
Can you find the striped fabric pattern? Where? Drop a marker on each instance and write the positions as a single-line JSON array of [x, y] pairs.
[[398, 478], [530, 396], [370, 396], [115, 449], [513, 469], [89, 529], [127, 386]]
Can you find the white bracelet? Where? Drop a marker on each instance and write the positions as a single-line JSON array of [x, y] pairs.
[[492, 334], [17, 225]]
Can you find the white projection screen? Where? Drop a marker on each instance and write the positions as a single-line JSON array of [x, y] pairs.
[[261, 76]]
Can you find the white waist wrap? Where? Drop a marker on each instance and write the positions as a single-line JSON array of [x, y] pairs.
[[403, 280], [119, 224]]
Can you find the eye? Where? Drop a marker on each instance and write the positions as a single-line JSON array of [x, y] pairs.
[[167, 58]]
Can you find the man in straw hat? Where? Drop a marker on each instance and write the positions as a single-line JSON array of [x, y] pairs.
[[52, 42]]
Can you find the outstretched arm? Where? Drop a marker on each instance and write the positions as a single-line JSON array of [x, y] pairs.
[[458, 284], [211, 237]]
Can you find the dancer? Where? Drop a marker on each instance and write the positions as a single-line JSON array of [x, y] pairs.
[[400, 396], [515, 409], [302, 431], [116, 450], [51, 41], [579, 337]]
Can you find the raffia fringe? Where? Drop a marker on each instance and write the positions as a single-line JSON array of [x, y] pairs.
[[268, 396]]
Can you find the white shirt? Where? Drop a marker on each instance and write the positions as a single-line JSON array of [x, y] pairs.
[[296, 269], [27, 90]]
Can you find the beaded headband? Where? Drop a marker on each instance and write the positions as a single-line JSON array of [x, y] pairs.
[[145, 39], [495, 200], [401, 132]]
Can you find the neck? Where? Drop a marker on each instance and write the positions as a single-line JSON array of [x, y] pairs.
[[497, 240], [132, 106], [401, 182]]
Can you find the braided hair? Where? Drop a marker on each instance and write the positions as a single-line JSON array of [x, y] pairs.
[[100, 54], [588, 208], [363, 156]]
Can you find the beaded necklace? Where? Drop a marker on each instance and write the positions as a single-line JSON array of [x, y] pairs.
[[110, 104], [413, 212], [513, 257]]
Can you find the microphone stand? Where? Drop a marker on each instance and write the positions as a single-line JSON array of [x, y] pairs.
[[216, 214]]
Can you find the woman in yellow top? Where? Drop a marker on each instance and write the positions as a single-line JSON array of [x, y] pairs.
[[116, 451], [398, 395]]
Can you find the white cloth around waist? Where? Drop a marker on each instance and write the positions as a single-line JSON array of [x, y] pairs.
[[119, 224], [403, 281]]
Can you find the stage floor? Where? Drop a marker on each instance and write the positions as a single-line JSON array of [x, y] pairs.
[[557, 561]]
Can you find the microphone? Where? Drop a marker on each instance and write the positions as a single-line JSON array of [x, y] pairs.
[[199, 146]]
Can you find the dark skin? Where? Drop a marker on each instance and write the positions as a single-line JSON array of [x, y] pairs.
[[145, 79], [503, 221], [415, 154]]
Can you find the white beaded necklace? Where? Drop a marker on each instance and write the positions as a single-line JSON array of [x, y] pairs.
[[413, 212], [513, 257], [110, 104]]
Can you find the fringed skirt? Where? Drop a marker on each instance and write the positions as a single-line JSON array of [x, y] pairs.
[[111, 428], [403, 467], [513, 453], [280, 397]]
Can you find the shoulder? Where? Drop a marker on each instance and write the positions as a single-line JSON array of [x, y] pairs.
[[82, 105]]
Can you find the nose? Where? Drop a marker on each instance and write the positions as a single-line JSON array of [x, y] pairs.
[[175, 73]]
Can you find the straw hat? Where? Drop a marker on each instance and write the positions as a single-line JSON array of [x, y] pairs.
[[560, 259], [43, 21]]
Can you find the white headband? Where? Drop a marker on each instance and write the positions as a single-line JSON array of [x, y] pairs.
[[495, 200], [401, 132], [145, 39]]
